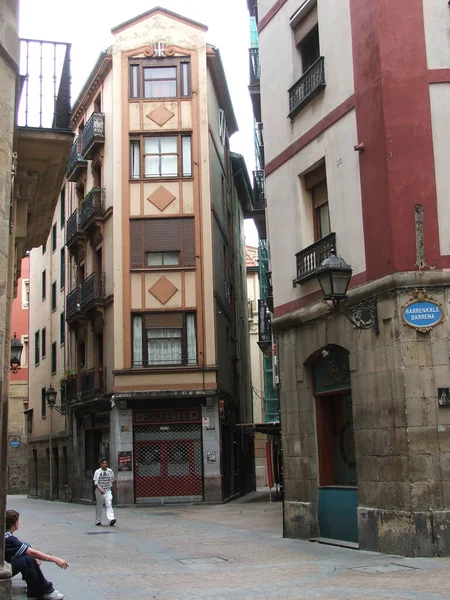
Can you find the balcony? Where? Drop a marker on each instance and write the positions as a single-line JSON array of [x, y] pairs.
[[258, 190], [92, 292], [311, 83], [43, 138], [310, 259], [252, 6], [93, 135], [73, 307], [264, 327], [92, 208], [73, 231], [253, 88], [76, 163], [88, 384]]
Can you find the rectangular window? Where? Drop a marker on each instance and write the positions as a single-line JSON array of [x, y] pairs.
[[62, 329], [44, 248], [159, 78], [25, 293], [54, 296], [44, 285], [164, 339], [54, 237], [156, 242], [43, 404], [36, 348], [157, 259], [305, 27], [24, 357], [44, 342], [62, 268], [316, 184], [162, 156], [53, 358], [62, 206]]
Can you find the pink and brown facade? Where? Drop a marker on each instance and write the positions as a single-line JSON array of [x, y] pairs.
[[356, 144], [155, 364]]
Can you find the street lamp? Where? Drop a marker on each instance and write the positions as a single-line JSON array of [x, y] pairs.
[[16, 353], [50, 396], [334, 277]]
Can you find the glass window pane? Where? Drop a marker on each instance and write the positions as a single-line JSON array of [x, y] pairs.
[[152, 166], [191, 340], [187, 160], [160, 89], [324, 220], [169, 166], [171, 258], [134, 155], [154, 259], [164, 346], [185, 79], [134, 74], [137, 341], [151, 145], [160, 73], [168, 145]]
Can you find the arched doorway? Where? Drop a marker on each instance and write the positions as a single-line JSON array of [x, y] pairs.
[[338, 491]]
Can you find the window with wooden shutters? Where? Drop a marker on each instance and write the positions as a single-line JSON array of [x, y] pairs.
[[164, 339], [171, 241], [316, 184]]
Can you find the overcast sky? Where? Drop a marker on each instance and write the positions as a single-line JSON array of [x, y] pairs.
[[87, 25]]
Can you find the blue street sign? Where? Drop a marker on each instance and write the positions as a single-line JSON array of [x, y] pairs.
[[14, 443], [422, 314]]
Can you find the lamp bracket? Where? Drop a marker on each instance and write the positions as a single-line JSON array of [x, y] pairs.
[[363, 315]]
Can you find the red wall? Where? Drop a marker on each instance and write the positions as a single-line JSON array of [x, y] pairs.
[[19, 318]]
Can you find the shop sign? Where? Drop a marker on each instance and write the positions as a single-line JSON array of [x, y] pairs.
[[188, 415], [124, 462], [422, 312]]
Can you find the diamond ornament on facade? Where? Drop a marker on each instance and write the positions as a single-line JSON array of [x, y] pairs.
[[161, 198], [163, 290], [160, 115]]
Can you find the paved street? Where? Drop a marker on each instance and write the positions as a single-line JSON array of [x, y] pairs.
[[231, 551]]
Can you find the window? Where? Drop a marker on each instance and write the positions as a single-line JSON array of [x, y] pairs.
[[306, 33], [309, 49], [316, 184], [36, 348], [43, 404], [24, 357], [25, 293], [160, 78], [54, 237], [161, 156], [53, 358], [44, 285], [54, 296], [156, 259], [62, 206], [164, 339], [44, 342], [62, 268], [62, 329], [44, 248], [156, 242]]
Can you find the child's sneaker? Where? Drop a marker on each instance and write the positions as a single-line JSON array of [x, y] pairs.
[[55, 595]]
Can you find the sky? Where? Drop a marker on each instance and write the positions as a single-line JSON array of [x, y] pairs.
[[87, 25]]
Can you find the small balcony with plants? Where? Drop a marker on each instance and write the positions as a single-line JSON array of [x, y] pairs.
[[311, 83], [76, 163], [92, 383], [93, 135], [310, 259], [92, 208]]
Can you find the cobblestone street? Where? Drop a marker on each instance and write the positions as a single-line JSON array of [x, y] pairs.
[[218, 552]]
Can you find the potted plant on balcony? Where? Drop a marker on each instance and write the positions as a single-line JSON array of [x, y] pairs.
[[68, 374]]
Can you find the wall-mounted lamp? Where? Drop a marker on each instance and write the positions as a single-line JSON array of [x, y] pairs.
[[16, 353], [334, 276], [50, 396]]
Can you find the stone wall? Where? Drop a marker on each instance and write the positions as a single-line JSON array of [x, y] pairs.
[[402, 436], [39, 469], [17, 457]]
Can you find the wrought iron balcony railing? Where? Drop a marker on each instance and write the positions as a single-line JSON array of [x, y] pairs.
[[264, 321], [72, 228], [72, 304], [252, 6], [71, 385], [310, 259], [45, 71], [255, 66], [75, 163], [258, 190], [92, 383], [93, 134], [92, 291], [92, 207], [308, 86]]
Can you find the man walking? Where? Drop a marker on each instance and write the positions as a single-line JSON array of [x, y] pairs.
[[103, 481]]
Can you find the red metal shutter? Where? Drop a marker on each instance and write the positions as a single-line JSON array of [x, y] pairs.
[[188, 243], [136, 249]]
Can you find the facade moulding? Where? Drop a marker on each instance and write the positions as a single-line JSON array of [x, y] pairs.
[[407, 280], [439, 76]]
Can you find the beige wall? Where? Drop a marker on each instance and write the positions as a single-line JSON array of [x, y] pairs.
[[436, 33]]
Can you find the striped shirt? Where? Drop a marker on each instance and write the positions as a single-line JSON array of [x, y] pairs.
[[14, 547]]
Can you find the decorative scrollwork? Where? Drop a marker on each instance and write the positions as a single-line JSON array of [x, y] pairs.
[[170, 50], [362, 315], [148, 51]]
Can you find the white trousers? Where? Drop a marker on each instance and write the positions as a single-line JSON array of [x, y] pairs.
[[104, 499]]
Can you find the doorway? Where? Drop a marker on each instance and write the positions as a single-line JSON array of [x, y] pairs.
[[338, 481]]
